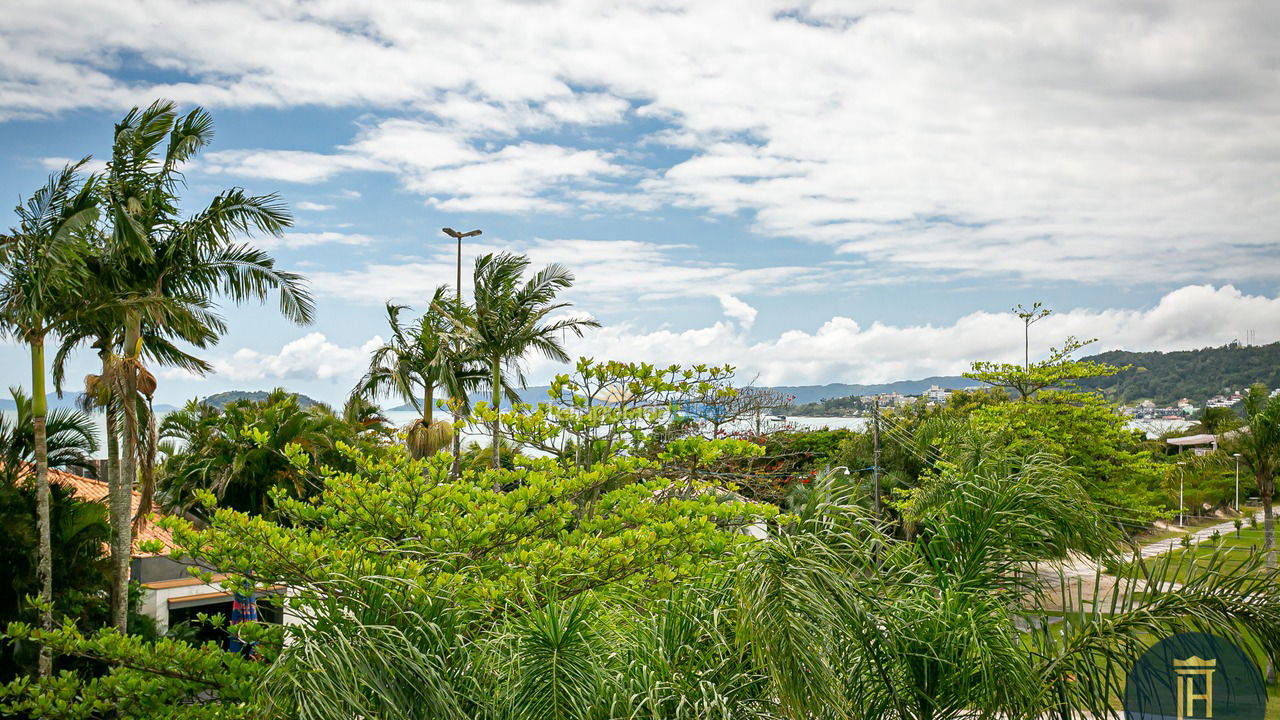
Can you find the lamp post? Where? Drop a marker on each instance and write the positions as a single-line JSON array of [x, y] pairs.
[[1237, 457], [1182, 476], [456, 470], [458, 236]]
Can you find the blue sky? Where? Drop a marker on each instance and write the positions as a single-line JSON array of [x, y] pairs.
[[815, 192]]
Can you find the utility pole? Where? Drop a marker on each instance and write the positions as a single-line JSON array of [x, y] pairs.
[[875, 454], [456, 470]]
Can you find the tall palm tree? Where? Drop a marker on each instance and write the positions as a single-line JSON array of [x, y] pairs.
[[420, 358], [510, 320], [178, 264], [41, 269], [1259, 448], [102, 329]]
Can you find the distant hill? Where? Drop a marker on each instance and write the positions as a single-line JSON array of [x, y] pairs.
[[221, 399], [805, 394], [1166, 377]]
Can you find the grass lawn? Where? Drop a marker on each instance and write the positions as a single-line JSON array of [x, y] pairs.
[[1233, 550]]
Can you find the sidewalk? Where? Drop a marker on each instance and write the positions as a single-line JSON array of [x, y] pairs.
[[1086, 568]]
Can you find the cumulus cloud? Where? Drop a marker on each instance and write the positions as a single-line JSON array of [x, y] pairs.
[[310, 357], [309, 206], [738, 310], [843, 349]]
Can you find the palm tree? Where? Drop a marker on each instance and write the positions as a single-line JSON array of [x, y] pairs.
[[849, 621], [510, 319], [101, 328], [1259, 448], [419, 358], [41, 269], [178, 265], [71, 439], [238, 452]]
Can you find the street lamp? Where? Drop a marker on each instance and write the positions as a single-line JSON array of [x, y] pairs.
[[1182, 476], [458, 236], [456, 470], [1237, 457]]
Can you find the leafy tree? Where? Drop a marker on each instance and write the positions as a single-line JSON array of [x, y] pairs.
[[80, 571], [511, 318], [40, 273], [101, 325], [1056, 371], [1218, 420], [417, 577], [1259, 448], [849, 621], [425, 595], [1092, 439], [602, 410]]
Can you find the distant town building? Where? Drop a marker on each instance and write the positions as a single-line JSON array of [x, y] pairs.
[[936, 395]]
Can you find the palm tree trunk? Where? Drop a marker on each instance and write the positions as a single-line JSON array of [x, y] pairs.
[[497, 418], [44, 528], [428, 403], [120, 527], [129, 452]]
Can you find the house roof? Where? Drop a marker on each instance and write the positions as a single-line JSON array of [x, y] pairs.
[[1190, 440], [96, 491]]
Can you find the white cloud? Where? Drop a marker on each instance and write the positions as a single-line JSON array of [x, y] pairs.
[[310, 239], [310, 357], [1096, 141], [845, 350], [58, 163], [608, 274], [738, 310], [457, 172], [288, 165], [841, 349], [312, 206]]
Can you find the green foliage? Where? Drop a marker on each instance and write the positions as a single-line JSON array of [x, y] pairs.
[[603, 410], [81, 572], [1056, 371], [1092, 440], [510, 318], [241, 452], [1166, 377], [71, 438]]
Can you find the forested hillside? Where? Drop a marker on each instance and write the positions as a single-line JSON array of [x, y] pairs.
[[1165, 377]]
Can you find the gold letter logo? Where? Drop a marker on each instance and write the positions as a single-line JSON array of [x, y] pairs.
[[1187, 671]]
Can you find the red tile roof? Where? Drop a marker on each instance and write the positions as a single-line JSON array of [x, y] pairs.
[[96, 491]]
